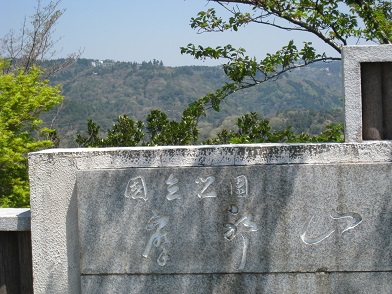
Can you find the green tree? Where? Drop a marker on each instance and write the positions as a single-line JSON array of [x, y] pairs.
[[127, 132], [336, 23], [165, 132], [23, 97], [252, 129], [92, 139]]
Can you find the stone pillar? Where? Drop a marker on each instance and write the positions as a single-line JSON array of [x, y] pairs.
[[367, 78]]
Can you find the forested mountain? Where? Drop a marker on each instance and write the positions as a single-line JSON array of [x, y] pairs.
[[307, 98]]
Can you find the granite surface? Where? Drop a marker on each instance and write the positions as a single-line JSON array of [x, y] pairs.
[[14, 219], [256, 219], [282, 283], [54, 203]]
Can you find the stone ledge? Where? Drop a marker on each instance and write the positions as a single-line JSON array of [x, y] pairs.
[[15, 219], [218, 155]]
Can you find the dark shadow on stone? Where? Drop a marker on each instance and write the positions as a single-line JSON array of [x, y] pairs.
[[24, 220], [73, 254], [384, 229], [376, 87]]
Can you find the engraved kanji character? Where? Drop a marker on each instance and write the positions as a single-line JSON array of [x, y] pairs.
[[172, 188], [207, 182], [136, 188]]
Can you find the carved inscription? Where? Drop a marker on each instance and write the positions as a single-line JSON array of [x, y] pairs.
[[233, 209], [356, 219], [242, 227], [158, 238], [136, 188], [172, 188], [242, 224], [162, 219], [206, 182], [241, 186]]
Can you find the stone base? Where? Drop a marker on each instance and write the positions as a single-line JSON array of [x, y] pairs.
[[282, 283]]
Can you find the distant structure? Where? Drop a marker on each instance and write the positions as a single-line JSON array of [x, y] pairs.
[[103, 63]]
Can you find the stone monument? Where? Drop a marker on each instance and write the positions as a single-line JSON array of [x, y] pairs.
[[262, 218]]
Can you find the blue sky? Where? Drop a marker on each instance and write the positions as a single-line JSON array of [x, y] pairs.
[[129, 30]]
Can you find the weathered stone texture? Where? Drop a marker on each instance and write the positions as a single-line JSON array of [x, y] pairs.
[[288, 184], [14, 219], [343, 220], [282, 283]]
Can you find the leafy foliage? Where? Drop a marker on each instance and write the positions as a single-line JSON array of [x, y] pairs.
[[334, 22], [23, 97], [127, 132], [164, 132], [253, 130]]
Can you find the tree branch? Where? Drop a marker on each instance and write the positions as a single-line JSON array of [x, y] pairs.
[[283, 15]]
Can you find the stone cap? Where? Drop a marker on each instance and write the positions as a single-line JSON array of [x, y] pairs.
[[216, 155], [15, 219]]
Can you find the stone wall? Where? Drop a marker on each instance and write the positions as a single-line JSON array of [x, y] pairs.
[[229, 219]]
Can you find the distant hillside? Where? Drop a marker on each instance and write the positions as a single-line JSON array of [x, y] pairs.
[[306, 98]]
